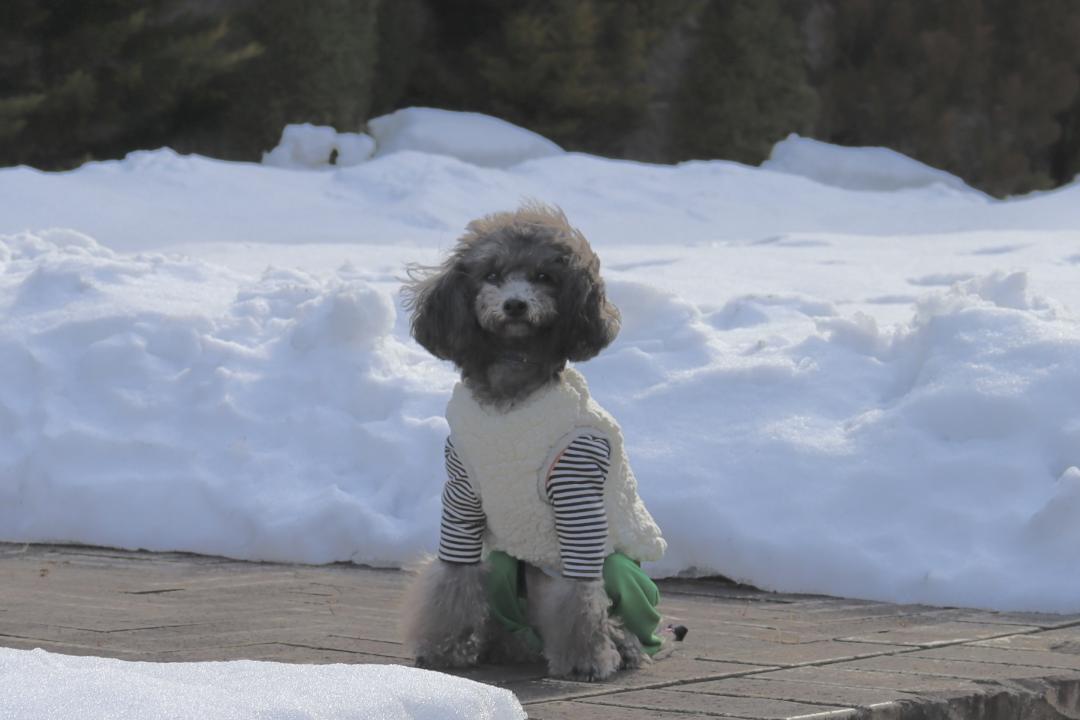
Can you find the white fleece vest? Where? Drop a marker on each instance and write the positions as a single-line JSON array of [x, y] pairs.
[[508, 454]]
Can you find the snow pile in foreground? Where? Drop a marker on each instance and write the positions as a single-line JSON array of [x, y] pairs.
[[856, 168], [160, 402], [38, 684], [471, 137]]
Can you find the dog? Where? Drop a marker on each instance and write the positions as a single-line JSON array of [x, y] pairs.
[[537, 473]]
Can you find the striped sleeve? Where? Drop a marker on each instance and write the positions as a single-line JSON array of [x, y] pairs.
[[461, 532], [575, 487]]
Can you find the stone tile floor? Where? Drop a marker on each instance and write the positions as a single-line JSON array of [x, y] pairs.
[[749, 654]]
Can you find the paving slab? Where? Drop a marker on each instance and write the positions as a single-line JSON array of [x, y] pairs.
[[941, 632], [1001, 656], [678, 700], [587, 711], [774, 688], [787, 654], [901, 685], [1064, 640], [918, 664], [750, 654]]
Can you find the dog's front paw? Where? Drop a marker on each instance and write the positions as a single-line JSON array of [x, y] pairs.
[[599, 663], [460, 651], [631, 655], [445, 614]]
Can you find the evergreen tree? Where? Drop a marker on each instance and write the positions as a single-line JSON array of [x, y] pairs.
[[987, 89], [317, 65], [20, 68], [93, 80], [745, 85], [402, 25], [1065, 161], [1036, 82], [572, 70], [568, 68], [980, 88]]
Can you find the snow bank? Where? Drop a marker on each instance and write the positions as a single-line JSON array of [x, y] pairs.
[[858, 393], [163, 403], [155, 200], [856, 168], [159, 402], [38, 684], [932, 462], [313, 146], [471, 137]]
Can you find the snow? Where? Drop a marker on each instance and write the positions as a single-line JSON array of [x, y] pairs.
[[91, 688], [866, 393], [471, 137], [353, 148], [312, 146], [856, 168]]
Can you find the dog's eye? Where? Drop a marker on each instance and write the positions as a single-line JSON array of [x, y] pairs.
[[492, 277], [543, 277]]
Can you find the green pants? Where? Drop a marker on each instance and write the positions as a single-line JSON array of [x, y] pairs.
[[633, 594]]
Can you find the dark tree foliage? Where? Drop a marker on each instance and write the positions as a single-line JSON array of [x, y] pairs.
[[987, 89], [1037, 62], [981, 88], [85, 80], [317, 66], [1065, 161], [572, 70], [402, 26], [745, 86]]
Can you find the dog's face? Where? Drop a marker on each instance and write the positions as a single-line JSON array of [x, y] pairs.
[[514, 279], [518, 277]]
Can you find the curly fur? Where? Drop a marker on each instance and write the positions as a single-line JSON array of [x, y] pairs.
[[518, 296], [568, 316], [579, 635], [446, 618]]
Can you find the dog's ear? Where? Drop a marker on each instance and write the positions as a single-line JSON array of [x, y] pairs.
[[592, 320], [442, 319]]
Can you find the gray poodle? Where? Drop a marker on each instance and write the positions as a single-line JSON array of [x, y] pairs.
[[542, 530]]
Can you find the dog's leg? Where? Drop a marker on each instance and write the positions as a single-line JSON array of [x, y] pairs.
[[630, 651], [579, 636], [446, 613], [504, 648]]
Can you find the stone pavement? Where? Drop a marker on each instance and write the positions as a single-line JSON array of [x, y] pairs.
[[749, 654]]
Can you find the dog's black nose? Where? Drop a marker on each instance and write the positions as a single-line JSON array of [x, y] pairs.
[[514, 307]]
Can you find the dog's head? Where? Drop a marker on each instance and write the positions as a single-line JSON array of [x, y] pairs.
[[515, 279]]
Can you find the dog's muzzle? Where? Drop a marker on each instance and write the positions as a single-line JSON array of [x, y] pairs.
[[514, 308]]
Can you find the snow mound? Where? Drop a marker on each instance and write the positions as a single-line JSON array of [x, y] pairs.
[[916, 464], [157, 200], [821, 390], [266, 418], [312, 146], [471, 137], [856, 168], [45, 685], [287, 416]]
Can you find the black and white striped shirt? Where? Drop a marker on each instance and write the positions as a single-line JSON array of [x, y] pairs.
[[461, 532], [575, 488]]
